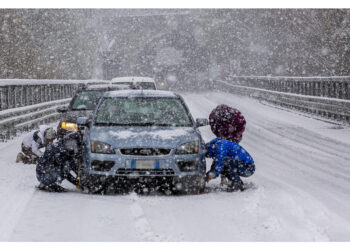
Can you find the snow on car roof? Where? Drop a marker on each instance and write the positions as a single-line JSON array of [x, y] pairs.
[[132, 79], [102, 86], [141, 93]]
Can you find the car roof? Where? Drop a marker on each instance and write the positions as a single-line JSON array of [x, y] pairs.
[[141, 93], [132, 79], [101, 86]]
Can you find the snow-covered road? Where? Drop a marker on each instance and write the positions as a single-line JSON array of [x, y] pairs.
[[300, 191]]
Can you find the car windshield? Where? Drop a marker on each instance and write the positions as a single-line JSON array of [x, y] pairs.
[[143, 111], [86, 100], [146, 85]]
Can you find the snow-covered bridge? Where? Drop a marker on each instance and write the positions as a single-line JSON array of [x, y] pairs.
[[300, 191], [26, 103]]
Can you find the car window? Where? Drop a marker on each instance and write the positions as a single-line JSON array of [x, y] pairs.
[[123, 83], [143, 111], [86, 100], [146, 85]]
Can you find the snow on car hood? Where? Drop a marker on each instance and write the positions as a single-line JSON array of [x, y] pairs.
[[121, 137]]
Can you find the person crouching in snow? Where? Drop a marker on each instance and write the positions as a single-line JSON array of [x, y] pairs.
[[33, 141], [57, 162], [230, 159]]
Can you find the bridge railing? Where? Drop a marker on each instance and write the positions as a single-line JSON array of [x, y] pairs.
[[24, 104], [328, 97], [16, 93]]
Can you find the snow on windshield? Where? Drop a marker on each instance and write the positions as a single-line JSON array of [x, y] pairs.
[[140, 111]]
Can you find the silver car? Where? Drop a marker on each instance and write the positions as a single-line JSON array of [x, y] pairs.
[[143, 138]]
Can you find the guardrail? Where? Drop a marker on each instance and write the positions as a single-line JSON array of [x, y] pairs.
[[326, 97], [17, 120], [16, 93], [24, 104]]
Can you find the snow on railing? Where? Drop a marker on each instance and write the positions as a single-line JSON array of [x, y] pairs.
[[334, 87], [24, 104], [16, 93], [321, 96]]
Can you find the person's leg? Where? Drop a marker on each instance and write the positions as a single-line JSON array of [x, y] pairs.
[[48, 179], [246, 169], [234, 170], [29, 157], [231, 170]]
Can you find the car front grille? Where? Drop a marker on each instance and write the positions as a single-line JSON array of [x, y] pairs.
[[104, 166], [147, 172], [145, 151]]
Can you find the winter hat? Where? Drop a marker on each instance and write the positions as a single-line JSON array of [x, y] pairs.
[[50, 134], [227, 123]]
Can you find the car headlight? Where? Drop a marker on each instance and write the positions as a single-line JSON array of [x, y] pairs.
[[101, 148], [187, 148], [70, 126]]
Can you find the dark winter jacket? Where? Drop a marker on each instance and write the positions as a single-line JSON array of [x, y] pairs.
[[223, 150], [56, 163]]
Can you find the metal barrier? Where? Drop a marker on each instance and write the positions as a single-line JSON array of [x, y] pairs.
[[16, 93], [327, 97], [333, 87], [24, 104]]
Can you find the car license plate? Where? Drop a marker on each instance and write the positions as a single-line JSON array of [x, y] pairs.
[[145, 164]]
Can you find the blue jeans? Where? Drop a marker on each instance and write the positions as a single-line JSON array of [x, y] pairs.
[[234, 169]]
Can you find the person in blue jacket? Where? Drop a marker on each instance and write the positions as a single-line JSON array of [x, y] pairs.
[[230, 160], [56, 164]]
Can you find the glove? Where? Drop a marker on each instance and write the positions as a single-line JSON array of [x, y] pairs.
[[207, 150], [209, 176]]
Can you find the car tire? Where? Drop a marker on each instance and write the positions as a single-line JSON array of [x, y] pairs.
[[193, 185]]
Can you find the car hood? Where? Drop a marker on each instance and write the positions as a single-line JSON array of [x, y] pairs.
[[72, 115], [163, 137]]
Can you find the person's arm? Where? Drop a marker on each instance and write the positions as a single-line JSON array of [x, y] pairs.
[[219, 153], [210, 147], [66, 172], [35, 149]]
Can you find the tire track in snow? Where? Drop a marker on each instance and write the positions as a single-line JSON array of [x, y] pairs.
[[264, 140], [12, 211], [141, 223], [16, 190], [291, 157]]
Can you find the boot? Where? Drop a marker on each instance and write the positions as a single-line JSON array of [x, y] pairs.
[[236, 186], [225, 181], [52, 188], [19, 157]]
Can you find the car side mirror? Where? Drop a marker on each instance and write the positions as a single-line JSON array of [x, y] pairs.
[[83, 121], [62, 109], [201, 122]]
